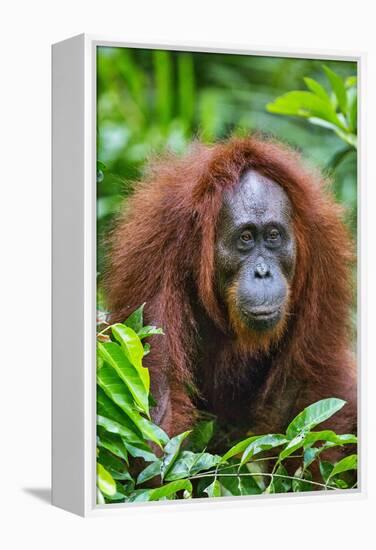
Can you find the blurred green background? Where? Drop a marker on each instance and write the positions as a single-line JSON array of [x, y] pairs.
[[150, 100]]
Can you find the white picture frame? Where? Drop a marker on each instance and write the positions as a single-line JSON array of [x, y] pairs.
[[74, 275]]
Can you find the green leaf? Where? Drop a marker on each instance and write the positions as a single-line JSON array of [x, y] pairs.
[[325, 469], [306, 440], [113, 354], [119, 429], [352, 100], [171, 452], [140, 450], [344, 465], [144, 332], [135, 320], [304, 104], [152, 470], [146, 351], [280, 484], [317, 89], [106, 483], [101, 165], [292, 446], [119, 496], [239, 447], [132, 347], [106, 407], [314, 414], [257, 468], [264, 443], [214, 489], [112, 443], [310, 455], [237, 484], [338, 86], [100, 497], [188, 464], [114, 465], [299, 486], [330, 437], [113, 386], [201, 435], [170, 489]]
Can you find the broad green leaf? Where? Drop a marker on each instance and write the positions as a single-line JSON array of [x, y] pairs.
[[338, 86], [310, 455], [352, 111], [170, 489], [325, 469], [139, 495], [201, 435], [146, 349], [239, 447], [100, 497], [106, 407], [119, 496], [204, 461], [351, 139], [188, 464], [317, 89], [171, 452], [299, 486], [304, 104], [133, 348], [264, 443], [101, 165], [214, 489], [306, 440], [152, 470], [294, 444], [106, 483], [135, 320], [119, 429], [119, 394], [144, 332], [239, 483], [344, 465], [323, 123], [280, 484], [114, 355], [112, 443], [140, 450], [114, 465], [314, 414], [330, 437], [257, 468]]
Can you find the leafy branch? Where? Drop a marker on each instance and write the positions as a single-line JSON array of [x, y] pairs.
[[335, 109], [181, 466]]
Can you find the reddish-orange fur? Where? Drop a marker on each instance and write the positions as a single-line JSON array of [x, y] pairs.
[[162, 253]]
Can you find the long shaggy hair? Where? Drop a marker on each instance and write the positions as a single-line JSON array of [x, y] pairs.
[[162, 252]]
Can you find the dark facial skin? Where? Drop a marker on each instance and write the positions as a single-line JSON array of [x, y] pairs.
[[255, 250]]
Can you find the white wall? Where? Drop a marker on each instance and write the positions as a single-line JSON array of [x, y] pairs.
[[28, 29]]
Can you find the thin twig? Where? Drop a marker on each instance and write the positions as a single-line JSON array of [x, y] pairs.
[[198, 476], [253, 460]]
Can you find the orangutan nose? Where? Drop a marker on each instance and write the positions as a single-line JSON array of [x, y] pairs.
[[262, 270]]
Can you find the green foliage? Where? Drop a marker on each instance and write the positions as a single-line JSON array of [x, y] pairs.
[[335, 110], [150, 101], [181, 466]]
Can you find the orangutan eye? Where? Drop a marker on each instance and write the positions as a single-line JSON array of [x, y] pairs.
[[246, 236], [273, 235]]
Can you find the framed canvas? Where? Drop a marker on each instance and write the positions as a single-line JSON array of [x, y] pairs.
[[208, 206]]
